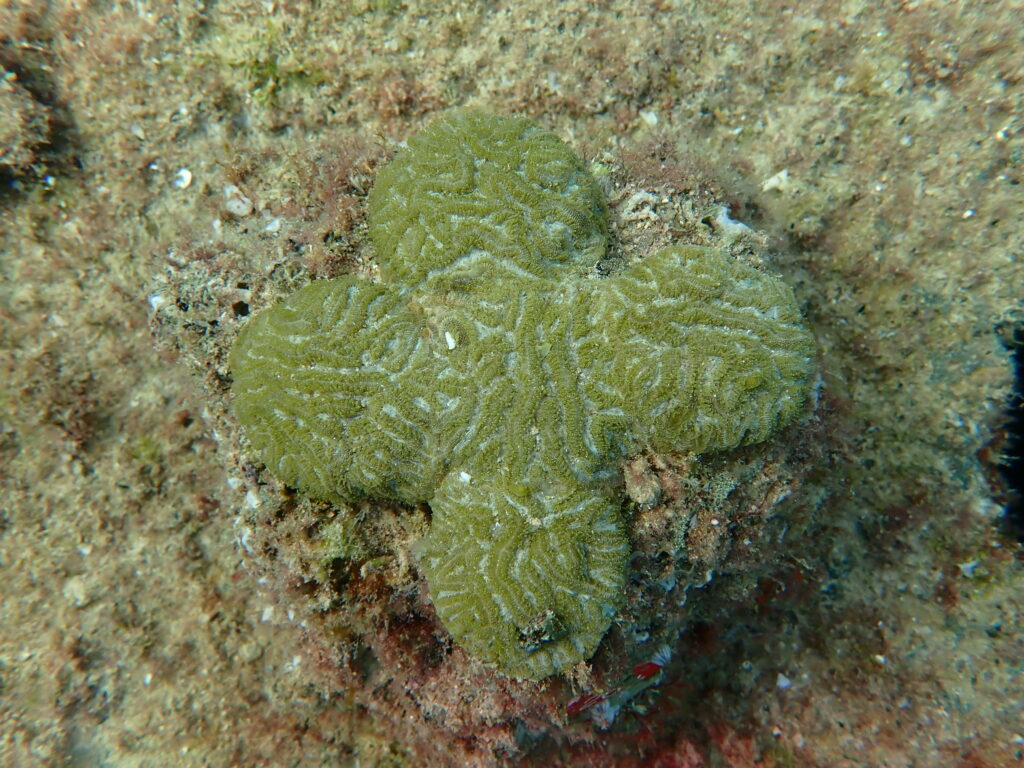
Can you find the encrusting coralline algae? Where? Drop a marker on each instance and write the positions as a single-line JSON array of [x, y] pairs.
[[490, 375]]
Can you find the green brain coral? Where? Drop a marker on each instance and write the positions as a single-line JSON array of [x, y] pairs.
[[489, 376]]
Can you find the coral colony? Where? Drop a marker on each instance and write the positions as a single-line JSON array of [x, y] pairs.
[[492, 375]]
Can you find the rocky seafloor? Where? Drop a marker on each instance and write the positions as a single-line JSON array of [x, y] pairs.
[[844, 594]]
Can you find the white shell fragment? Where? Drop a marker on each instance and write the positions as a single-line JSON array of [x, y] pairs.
[[182, 179], [235, 202]]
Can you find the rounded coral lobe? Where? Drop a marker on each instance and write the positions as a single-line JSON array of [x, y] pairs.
[[489, 376], [313, 387], [472, 184], [526, 579]]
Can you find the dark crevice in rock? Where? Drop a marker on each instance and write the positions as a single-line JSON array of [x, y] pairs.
[[57, 144], [1011, 463]]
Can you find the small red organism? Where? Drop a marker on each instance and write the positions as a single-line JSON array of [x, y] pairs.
[[645, 675], [646, 670], [582, 703]]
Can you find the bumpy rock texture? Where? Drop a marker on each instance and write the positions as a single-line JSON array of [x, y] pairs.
[[23, 127], [489, 376]]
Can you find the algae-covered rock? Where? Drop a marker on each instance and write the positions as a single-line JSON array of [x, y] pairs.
[[490, 377]]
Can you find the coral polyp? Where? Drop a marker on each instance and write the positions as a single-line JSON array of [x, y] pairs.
[[491, 376]]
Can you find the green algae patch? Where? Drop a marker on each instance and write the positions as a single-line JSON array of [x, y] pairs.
[[489, 376]]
